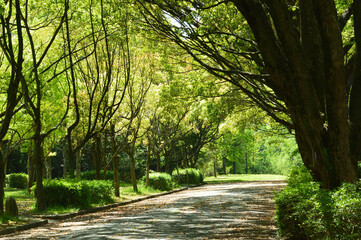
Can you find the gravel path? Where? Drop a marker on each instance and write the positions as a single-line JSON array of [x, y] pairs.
[[220, 211]]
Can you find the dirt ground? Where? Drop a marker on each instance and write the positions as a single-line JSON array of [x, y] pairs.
[[221, 211]]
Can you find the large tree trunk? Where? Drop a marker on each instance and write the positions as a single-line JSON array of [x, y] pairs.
[[48, 167], [38, 157], [309, 77], [78, 163]]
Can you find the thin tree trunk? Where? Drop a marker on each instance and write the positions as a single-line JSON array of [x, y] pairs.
[[148, 166], [97, 157], [78, 164], [40, 203], [132, 172], [2, 180], [65, 160], [215, 168], [115, 160], [116, 175], [224, 165], [246, 156], [158, 161], [31, 169]]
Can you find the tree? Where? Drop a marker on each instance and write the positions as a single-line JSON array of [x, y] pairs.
[[290, 60], [98, 83], [13, 53]]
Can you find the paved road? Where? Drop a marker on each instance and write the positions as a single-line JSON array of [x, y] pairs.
[[221, 211]]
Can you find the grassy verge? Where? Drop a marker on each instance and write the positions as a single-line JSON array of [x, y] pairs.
[[244, 178], [26, 202]]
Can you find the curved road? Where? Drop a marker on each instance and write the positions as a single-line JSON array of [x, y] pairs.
[[220, 211]]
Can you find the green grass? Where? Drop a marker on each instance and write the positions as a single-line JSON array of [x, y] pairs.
[[142, 191], [244, 178], [18, 194], [26, 202]]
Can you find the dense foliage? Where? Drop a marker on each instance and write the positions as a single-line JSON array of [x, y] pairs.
[[160, 181], [306, 211], [75, 193], [17, 180], [188, 176]]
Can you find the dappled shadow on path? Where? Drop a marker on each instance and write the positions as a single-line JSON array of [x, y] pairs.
[[225, 211]]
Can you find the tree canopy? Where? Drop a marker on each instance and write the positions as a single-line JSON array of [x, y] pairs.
[[297, 60]]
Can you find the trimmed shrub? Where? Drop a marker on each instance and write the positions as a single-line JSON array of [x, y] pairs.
[[75, 193], [299, 175], [347, 208], [160, 181], [18, 180], [188, 176], [306, 211]]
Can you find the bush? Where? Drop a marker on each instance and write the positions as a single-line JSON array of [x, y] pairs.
[[306, 211], [188, 176], [347, 208], [160, 181], [298, 176], [18, 180], [76, 193]]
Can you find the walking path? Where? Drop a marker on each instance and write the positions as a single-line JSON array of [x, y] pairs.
[[222, 211]]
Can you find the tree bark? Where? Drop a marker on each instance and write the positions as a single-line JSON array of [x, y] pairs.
[[78, 164], [214, 168], [97, 156], [148, 166], [246, 157], [2, 180], [159, 167], [65, 160], [31, 169], [309, 76], [39, 163], [132, 173]]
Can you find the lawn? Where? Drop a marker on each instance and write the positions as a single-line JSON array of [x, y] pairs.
[[244, 178], [26, 201]]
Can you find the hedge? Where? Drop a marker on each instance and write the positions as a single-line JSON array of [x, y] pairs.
[[17, 180], [77, 193], [188, 176], [160, 181], [306, 211]]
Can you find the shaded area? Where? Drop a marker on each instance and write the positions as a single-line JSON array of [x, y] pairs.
[[224, 211]]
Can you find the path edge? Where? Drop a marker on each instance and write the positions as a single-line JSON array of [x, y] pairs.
[[45, 218]]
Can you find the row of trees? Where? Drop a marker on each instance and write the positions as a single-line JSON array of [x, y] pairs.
[[90, 75], [299, 61]]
